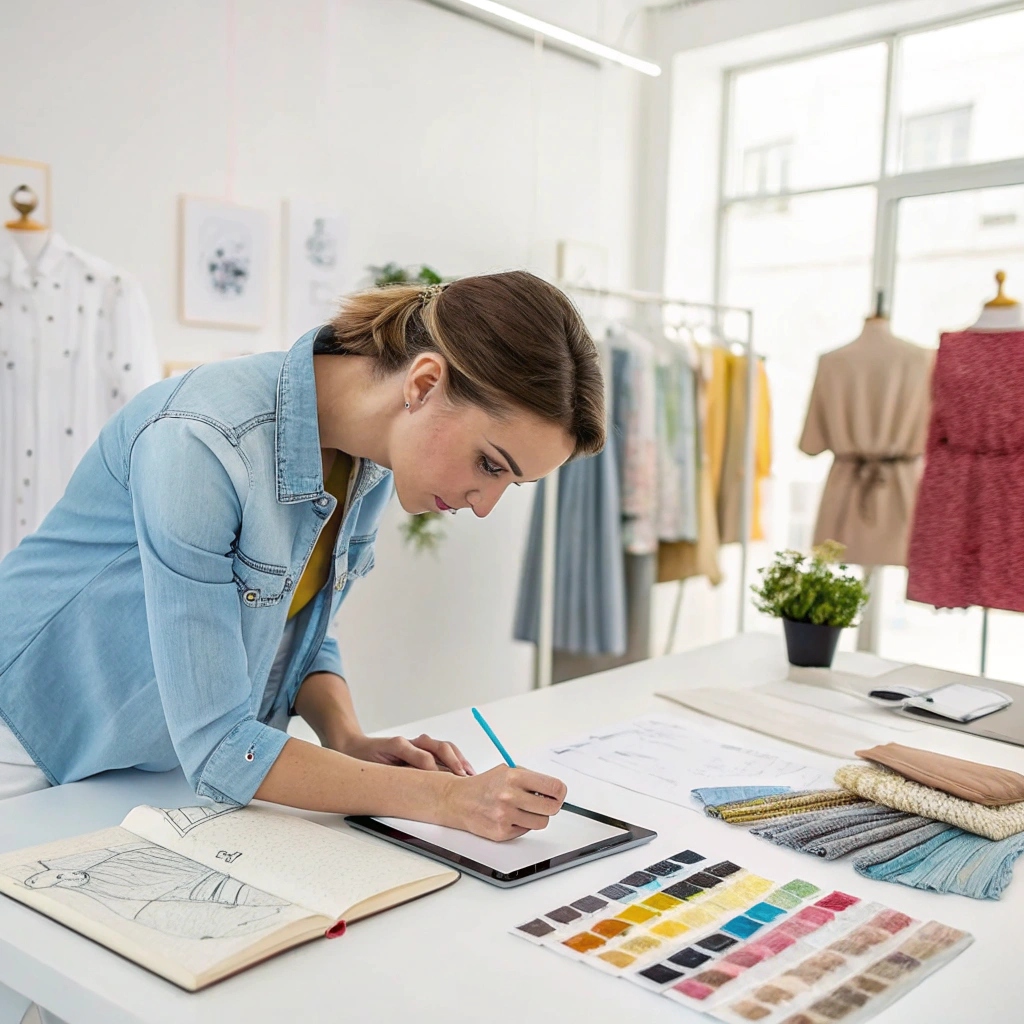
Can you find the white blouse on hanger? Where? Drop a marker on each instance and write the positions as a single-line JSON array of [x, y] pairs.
[[76, 343]]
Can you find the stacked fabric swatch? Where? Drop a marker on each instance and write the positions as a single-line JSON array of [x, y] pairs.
[[961, 834]]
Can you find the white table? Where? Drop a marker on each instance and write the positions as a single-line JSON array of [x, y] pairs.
[[449, 957]]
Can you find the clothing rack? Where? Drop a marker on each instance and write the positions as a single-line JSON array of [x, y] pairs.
[[545, 632]]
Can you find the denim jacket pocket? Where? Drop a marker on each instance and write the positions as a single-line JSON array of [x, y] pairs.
[[261, 584]]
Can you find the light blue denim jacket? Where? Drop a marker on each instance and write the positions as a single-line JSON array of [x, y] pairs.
[[138, 625]]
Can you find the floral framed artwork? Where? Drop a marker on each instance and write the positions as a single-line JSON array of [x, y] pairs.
[[316, 265], [224, 264]]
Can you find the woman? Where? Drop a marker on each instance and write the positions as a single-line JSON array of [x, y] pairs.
[[173, 607]]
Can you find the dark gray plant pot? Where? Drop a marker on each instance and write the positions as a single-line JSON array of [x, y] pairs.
[[811, 646]]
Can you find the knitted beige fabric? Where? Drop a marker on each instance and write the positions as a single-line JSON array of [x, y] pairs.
[[887, 787]]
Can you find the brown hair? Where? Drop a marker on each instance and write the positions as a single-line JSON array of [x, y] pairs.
[[510, 340]]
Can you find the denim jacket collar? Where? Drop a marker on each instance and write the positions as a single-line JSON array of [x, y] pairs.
[[299, 465]]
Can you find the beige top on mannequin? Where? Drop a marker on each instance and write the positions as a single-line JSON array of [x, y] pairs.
[[870, 406]]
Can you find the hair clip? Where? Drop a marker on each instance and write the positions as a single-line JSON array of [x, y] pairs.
[[429, 292]]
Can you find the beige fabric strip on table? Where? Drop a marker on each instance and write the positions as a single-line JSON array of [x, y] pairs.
[[823, 731]]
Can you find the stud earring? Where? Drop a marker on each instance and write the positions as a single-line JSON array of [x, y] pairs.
[[407, 405], [453, 510]]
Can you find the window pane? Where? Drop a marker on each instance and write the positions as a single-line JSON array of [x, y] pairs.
[[948, 248], [803, 264], [808, 123], [959, 94]]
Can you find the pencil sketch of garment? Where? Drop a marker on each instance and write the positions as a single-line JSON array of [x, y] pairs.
[[162, 890]]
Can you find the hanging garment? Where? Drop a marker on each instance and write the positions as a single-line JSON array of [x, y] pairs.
[[634, 422], [590, 607], [678, 466], [967, 544], [679, 560], [869, 406], [730, 495], [76, 343]]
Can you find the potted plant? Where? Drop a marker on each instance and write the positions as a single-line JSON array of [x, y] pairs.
[[423, 532], [815, 597]]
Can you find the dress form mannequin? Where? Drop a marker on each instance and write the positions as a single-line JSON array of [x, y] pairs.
[[1001, 313], [29, 235]]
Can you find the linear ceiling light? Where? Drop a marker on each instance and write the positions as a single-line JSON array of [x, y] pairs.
[[561, 35]]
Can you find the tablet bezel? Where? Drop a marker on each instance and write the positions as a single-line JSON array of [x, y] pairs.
[[632, 835]]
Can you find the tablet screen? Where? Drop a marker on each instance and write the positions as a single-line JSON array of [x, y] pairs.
[[565, 833]]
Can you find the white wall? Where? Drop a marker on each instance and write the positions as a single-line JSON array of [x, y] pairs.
[[443, 140]]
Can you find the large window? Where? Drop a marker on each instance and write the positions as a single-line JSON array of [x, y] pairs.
[[894, 165]]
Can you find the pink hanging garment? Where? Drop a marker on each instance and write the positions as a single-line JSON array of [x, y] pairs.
[[967, 544]]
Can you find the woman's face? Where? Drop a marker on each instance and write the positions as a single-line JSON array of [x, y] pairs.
[[446, 456]]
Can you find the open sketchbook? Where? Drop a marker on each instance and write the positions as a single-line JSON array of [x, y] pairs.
[[198, 893]]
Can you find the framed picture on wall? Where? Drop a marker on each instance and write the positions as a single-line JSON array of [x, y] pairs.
[[15, 172], [224, 264], [316, 265]]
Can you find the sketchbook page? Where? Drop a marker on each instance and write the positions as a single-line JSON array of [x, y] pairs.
[[170, 914], [665, 757], [324, 869], [565, 833]]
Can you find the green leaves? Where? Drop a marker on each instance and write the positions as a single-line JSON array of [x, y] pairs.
[[811, 589], [422, 532]]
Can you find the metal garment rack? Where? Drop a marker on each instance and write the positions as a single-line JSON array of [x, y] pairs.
[[545, 632]]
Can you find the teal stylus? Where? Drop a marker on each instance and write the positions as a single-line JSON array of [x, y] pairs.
[[494, 739]]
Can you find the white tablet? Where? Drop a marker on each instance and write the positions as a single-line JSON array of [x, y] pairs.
[[573, 836]]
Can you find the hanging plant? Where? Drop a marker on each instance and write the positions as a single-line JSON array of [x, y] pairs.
[[421, 532]]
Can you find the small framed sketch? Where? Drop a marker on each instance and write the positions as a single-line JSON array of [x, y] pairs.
[[316, 265], [225, 264], [15, 172]]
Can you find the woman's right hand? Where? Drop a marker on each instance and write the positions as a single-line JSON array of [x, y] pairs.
[[502, 803]]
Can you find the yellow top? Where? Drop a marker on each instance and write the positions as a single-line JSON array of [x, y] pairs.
[[318, 568]]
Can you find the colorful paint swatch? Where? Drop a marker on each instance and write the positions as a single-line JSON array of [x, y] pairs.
[[664, 868], [729, 898], [638, 878], [584, 942], [742, 927], [891, 920], [660, 974], [695, 917], [704, 880], [661, 901], [717, 942], [589, 905], [776, 940], [538, 928], [753, 885], [686, 857], [619, 893], [689, 957], [837, 901], [747, 956], [815, 915], [694, 989], [563, 915], [783, 899], [764, 912], [669, 929], [616, 958], [723, 869], [640, 944], [610, 927], [636, 914], [798, 887], [683, 890]]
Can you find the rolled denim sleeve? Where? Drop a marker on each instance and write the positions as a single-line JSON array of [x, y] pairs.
[[185, 479], [327, 659]]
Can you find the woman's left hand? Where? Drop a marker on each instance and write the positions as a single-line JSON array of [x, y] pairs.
[[424, 752]]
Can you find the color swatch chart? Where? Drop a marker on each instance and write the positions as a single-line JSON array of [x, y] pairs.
[[740, 947]]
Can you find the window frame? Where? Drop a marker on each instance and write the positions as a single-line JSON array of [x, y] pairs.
[[891, 184]]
